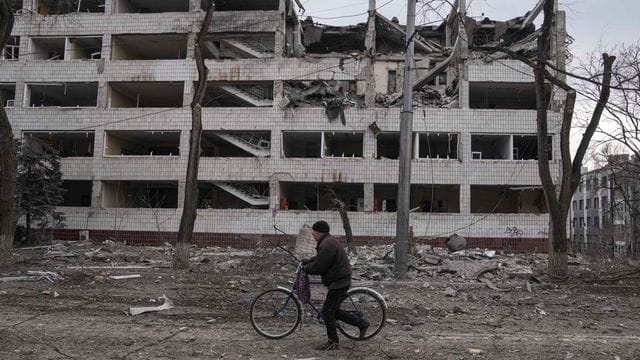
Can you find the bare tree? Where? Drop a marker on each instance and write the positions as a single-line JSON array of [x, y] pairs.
[[341, 207], [620, 128], [8, 211], [558, 195], [189, 210]]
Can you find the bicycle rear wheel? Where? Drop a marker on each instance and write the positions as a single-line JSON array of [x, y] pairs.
[[366, 304], [275, 313]]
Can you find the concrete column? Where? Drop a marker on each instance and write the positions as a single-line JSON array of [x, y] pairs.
[[368, 197], [558, 42], [96, 194], [181, 189], [464, 152], [276, 143], [281, 39], [370, 45], [191, 44], [188, 92], [369, 145], [20, 92], [194, 5], [109, 7], [274, 193], [465, 198], [103, 94], [106, 47], [278, 93]]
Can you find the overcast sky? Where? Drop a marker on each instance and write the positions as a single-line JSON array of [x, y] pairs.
[[589, 22]]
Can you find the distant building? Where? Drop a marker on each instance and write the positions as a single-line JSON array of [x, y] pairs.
[[604, 208]]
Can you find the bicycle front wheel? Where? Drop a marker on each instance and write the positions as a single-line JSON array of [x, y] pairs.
[[363, 303], [275, 313]]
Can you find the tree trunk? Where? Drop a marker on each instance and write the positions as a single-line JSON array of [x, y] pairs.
[[189, 210], [557, 254], [346, 225], [8, 209]]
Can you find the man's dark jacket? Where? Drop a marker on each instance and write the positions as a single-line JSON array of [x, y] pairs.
[[331, 262]]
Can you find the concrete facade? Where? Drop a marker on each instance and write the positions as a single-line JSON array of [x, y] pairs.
[[367, 172]]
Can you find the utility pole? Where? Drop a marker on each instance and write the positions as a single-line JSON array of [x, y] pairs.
[[406, 134]]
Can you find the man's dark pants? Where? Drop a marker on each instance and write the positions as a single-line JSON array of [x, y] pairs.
[[331, 312]]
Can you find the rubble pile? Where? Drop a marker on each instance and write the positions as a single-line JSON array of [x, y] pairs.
[[332, 95]]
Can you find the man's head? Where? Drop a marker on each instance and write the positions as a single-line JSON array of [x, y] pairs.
[[320, 229]]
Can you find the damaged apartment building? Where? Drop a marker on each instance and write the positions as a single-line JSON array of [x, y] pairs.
[[296, 113]]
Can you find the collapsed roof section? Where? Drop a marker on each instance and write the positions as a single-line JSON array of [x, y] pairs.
[[439, 50]]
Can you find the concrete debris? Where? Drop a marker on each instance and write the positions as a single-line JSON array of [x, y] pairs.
[[124, 277], [333, 95], [34, 276], [168, 304], [450, 292], [456, 243], [492, 286]]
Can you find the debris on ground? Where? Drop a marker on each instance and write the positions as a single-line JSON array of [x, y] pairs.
[[167, 304], [33, 276], [455, 243]]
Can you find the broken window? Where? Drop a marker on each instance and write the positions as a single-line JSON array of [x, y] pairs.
[[243, 5], [388, 145], [141, 143], [319, 196], [150, 6], [12, 50], [491, 147], [233, 195], [71, 94], [238, 94], [385, 197], [392, 80], [503, 95], [8, 94], [438, 146], [334, 96], [83, 47], [66, 143], [435, 198], [77, 193], [507, 199], [525, 147], [239, 46], [66, 48], [236, 144], [57, 7], [149, 46], [47, 48], [301, 144], [145, 94], [338, 144], [140, 194]]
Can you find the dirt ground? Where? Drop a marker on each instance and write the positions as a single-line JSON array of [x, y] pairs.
[[464, 306]]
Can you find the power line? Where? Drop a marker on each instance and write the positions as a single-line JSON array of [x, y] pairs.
[[350, 16]]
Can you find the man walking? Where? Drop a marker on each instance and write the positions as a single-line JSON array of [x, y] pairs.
[[332, 263]]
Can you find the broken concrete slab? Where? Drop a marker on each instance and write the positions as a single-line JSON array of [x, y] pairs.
[[123, 277], [455, 243], [167, 304]]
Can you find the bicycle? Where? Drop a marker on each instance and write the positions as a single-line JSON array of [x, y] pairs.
[[276, 313]]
